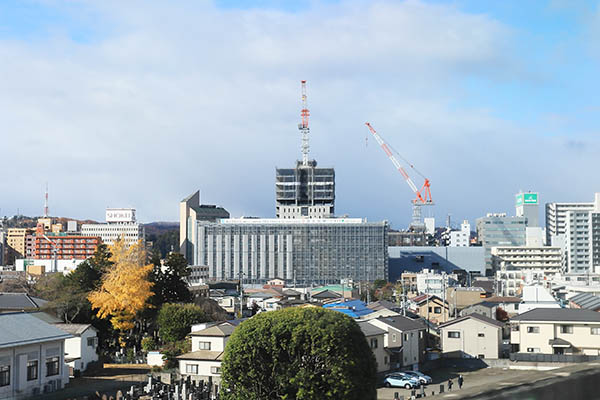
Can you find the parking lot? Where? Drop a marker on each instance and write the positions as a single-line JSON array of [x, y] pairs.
[[481, 377]]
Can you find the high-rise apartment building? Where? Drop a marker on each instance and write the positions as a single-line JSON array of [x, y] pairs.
[[67, 247], [15, 243], [306, 191], [576, 228], [498, 230], [120, 223], [527, 205]]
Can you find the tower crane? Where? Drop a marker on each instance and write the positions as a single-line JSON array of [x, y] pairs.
[[423, 196], [54, 253]]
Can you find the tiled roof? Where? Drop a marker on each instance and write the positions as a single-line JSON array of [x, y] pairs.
[[587, 301], [202, 355], [559, 315], [326, 294], [74, 329], [18, 329], [20, 301], [370, 329], [401, 323], [222, 330], [503, 299]]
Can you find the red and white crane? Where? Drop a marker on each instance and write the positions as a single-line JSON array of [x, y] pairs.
[[423, 195]]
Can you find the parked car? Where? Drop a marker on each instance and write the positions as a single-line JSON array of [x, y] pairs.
[[423, 379], [398, 380]]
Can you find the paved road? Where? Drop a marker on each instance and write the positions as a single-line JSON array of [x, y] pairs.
[[482, 377]]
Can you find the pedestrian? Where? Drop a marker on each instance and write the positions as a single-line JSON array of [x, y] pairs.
[[449, 384], [460, 381]]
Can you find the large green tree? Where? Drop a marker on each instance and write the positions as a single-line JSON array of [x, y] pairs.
[[300, 354], [169, 280], [175, 320]]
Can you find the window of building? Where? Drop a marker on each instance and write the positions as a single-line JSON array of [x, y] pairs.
[[480, 355], [533, 329], [52, 366], [4, 375], [406, 336], [437, 310], [373, 343], [393, 337], [533, 350], [566, 329], [481, 334], [204, 345], [92, 341], [595, 331], [454, 334], [215, 370], [385, 360], [32, 370], [191, 369]]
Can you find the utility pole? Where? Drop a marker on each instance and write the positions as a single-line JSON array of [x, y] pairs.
[[241, 295]]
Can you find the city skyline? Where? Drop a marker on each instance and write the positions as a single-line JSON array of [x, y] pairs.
[[127, 106]]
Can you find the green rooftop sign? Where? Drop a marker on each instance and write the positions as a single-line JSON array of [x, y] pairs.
[[527, 198]]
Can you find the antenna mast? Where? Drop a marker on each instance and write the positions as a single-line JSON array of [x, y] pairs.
[[46, 202], [303, 126]]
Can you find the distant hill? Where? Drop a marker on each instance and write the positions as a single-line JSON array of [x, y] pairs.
[[158, 228], [23, 221]]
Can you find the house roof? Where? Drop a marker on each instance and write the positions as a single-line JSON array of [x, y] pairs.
[[383, 304], [326, 294], [559, 314], [202, 355], [291, 292], [486, 285], [370, 329], [44, 316], [420, 299], [558, 342], [222, 330], [20, 301], [353, 308], [401, 323], [485, 304], [476, 316], [74, 329], [587, 301], [18, 329], [503, 299]]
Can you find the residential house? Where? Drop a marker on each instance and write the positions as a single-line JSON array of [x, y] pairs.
[[460, 297], [375, 338], [507, 303], [432, 308], [586, 301], [484, 308], [405, 340], [11, 302], [32, 358], [537, 297], [208, 346], [81, 349], [556, 331], [472, 336]]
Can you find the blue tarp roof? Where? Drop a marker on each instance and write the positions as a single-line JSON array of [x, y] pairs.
[[353, 308]]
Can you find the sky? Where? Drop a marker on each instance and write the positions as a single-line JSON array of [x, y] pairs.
[[141, 103]]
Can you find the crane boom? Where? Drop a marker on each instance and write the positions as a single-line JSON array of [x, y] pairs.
[[423, 195]]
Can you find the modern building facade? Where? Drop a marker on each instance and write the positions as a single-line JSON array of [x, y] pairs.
[[547, 258], [306, 191], [67, 247], [527, 205], [556, 216], [191, 211], [120, 223], [495, 230], [302, 250], [461, 238], [15, 243]]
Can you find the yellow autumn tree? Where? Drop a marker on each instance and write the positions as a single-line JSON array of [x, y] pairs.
[[125, 286]]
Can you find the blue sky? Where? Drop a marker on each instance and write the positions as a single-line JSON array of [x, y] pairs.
[[141, 103]]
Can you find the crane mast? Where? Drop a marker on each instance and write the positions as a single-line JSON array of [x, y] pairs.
[[423, 196], [303, 126]]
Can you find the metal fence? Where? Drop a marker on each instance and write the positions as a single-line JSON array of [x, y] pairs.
[[550, 358]]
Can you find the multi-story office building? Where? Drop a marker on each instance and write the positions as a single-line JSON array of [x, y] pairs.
[[498, 230], [15, 243], [527, 205], [120, 223], [302, 250], [190, 212], [546, 259], [461, 238], [305, 191]]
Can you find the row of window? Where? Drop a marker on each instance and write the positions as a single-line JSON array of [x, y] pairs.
[[192, 369], [52, 369], [563, 329]]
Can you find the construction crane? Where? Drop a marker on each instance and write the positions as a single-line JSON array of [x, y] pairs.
[[303, 126], [423, 196], [54, 253]]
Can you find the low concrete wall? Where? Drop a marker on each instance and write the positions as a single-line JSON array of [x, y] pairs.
[[576, 382]]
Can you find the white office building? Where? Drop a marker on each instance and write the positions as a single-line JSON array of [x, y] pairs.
[[433, 283], [120, 222], [461, 238]]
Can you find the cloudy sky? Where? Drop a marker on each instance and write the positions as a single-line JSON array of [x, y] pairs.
[[140, 103]]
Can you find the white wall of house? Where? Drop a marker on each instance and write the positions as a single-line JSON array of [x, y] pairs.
[[216, 343], [17, 359], [473, 338], [534, 337], [82, 347], [410, 350], [382, 358]]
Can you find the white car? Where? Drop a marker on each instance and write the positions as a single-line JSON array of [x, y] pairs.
[[423, 379], [398, 380]]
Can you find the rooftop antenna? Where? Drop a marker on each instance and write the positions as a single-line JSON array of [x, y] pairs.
[[46, 202], [303, 126]]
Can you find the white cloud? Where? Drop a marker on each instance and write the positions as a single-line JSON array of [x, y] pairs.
[[171, 98]]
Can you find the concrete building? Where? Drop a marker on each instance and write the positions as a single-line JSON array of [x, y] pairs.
[[31, 356], [556, 216], [536, 296], [81, 348], [556, 331], [120, 223], [67, 247], [305, 191], [448, 259], [546, 259], [303, 250], [496, 230], [461, 238], [472, 336], [41, 266], [15, 243], [190, 212], [434, 283], [527, 205]]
